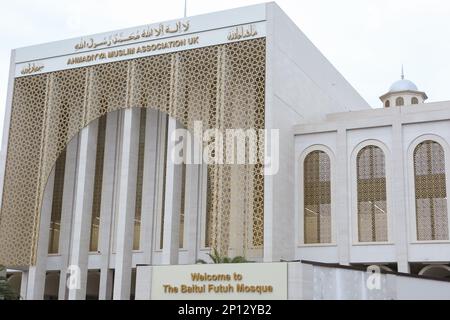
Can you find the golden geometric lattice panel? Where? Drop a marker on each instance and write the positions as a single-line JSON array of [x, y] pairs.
[[317, 198], [223, 86], [431, 193], [371, 189]]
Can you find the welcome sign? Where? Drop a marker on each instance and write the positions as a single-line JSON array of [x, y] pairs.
[[249, 281]]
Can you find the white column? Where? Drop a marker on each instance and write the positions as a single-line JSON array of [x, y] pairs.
[[149, 183], [342, 204], [126, 204], [82, 213], [144, 283], [107, 205], [67, 212], [270, 212], [191, 210], [36, 274], [24, 284], [106, 284], [172, 201], [202, 232], [7, 120], [399, 221], [160, 176]]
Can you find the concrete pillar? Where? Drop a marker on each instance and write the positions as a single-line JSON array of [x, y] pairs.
[[172, 201], [82, 212], [192, 211], [144, 283], [106, 284], [24, 285], [152, 127], [7, 120], [202, 231], [107, 204], [126, 204], [307, 276], [67, 213], [36, 274], [398, 214], [295, 281], [342, 199], [269, 181]]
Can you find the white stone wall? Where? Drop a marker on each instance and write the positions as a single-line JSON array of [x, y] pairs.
[[330, 283], [301, 87], [117, 210], [397, 131]]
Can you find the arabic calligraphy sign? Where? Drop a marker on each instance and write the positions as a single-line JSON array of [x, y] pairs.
[[118, 38], [31, 68], [141, 43], [242, 32]]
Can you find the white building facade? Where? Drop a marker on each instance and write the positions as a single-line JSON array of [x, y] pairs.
[[379, 181]]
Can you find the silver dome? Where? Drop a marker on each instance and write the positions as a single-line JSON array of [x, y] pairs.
[[403, 85]]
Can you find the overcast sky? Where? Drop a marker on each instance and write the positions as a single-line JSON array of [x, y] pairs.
[[366, 40]]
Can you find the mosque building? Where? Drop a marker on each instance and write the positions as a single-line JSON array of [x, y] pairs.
[[91, 191]]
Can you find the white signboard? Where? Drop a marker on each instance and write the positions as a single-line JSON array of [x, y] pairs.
[[126, 51], [249, 281], [158, 38]]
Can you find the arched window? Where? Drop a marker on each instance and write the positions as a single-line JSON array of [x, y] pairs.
[[317, 198], [399, 101], [387, 104], [371, 189], [431, 193], [414, 100]]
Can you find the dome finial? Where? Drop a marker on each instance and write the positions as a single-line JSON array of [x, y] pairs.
[[403, 74]]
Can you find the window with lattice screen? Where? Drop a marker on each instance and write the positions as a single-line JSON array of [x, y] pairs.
[[399, 101], [371, 195], [317, 198], [430, 191]]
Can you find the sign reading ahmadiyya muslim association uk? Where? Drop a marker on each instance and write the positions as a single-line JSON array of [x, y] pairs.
[[250, 281]]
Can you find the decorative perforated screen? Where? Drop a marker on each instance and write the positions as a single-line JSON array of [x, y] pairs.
[[223, 86]]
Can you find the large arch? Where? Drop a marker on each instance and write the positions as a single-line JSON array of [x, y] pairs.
[[223, 86]]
